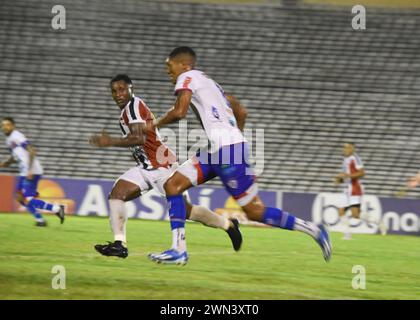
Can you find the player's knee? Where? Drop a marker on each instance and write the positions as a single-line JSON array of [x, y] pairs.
[[125, 191], [172, 188], [20, 198], [118, 195]]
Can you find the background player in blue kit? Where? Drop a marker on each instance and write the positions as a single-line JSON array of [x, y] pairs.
[[30, 173]]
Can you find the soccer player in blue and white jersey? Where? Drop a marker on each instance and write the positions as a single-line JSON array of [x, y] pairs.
[[31, 171], [222, 118]]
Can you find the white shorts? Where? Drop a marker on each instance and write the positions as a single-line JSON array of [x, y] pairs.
[[189, 169], [150, 179], [347, 200]]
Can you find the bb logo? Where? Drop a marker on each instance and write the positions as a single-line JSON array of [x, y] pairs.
[[215, 112], [325, 210], [232, 184]]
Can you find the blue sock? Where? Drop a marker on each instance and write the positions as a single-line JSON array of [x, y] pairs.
[[33, 210], [177, 211], [278, 218], [39, 204]]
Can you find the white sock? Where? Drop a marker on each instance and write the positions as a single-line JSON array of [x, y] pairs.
[[365, 217], [178, 240], [306, 227], [346, 224], [118, 219], [209, 218]]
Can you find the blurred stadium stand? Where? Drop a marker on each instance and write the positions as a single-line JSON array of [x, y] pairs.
[[305, 75]]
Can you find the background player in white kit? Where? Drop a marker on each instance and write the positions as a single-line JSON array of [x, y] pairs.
[[352, 173], [30, 172], [155, 164]]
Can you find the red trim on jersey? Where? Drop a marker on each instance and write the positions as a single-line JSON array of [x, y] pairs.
[[241, 195], [153, 146], [145, 113], [200, 176], [125, 117], [180, 89], [356, 188]]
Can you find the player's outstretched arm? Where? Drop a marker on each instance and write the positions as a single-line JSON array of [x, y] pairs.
[[178, 111], [239, 111], [338, 179], [414, 181], [7, 162], [134, 138], [358, 174]]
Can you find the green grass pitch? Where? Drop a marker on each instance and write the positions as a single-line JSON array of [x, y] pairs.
[[272, 264]]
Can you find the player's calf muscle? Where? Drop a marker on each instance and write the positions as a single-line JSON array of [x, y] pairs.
[[254, 211], [188, 207], [20, 198]]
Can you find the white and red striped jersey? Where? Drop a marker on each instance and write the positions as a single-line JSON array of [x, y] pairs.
[[154, 153], [351, 164]]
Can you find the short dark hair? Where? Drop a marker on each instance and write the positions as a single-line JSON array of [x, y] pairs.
[[121, 77], [183, 50], [10, 119]]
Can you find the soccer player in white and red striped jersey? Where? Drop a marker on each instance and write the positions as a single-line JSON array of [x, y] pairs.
[[155, 164], [352, 173]]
